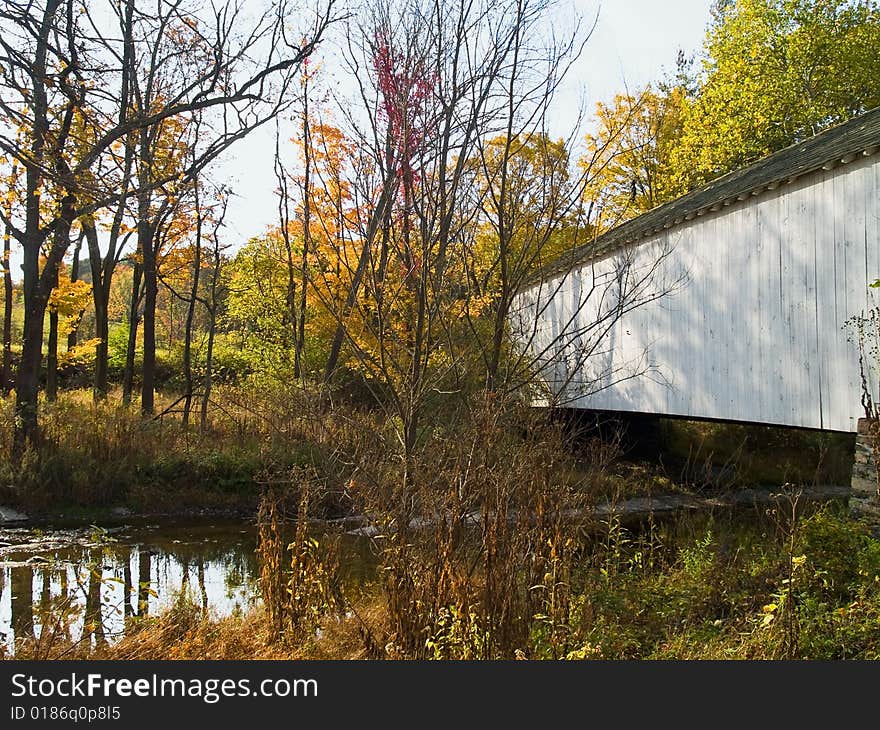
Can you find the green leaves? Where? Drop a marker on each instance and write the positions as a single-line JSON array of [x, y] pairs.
[[776, 72]]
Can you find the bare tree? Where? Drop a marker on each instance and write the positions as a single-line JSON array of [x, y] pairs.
[[438, 80], [43, 102], [528, 201], [102, 269], [208, 224], [191, 304], [6, 375], [454, 153], [72, 336], [264, 90], [134, 319], [212, 304], [59, 63], [306, 217], [297, 267], [291, 319]]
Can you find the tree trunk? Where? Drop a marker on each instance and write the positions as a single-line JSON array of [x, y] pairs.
[[191, 310], [147, 246], [52, 358], [209, 364], [27, 377], [212, 327], [74, 276], [37, 287], [102, 349], [100, 299], [284, 226], [6, 376], [300, 328], [499, 330], [151, 290], [133, 321]]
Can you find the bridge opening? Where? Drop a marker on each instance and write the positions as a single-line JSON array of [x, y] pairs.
[[706, 455]]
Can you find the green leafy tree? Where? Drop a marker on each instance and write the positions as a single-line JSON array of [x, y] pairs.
[[257, 309], [776, 72]]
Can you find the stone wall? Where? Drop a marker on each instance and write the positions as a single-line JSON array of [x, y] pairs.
[[864, 499]]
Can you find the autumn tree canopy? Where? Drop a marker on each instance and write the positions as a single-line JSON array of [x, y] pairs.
[[770, 73]]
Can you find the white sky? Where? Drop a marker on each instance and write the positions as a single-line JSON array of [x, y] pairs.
[[634, 41]]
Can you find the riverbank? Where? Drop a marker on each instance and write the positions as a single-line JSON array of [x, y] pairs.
[[625, 509], [104, 461], [762, 584], [501, 532]]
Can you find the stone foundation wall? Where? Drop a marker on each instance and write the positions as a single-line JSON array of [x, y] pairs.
[[864, 498]]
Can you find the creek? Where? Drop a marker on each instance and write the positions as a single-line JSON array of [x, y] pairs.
[[90, 581]]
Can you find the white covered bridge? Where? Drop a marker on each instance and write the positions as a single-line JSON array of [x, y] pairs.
[[729, 303]]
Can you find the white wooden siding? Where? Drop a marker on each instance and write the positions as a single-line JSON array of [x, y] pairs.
[[742, 317]]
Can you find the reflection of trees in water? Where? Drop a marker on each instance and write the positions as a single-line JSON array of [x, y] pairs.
[[86, 593], [184, 580], [126, 586], [64, 586], [94, 617], [203, 592], [185, 566], [74, 600], [21, 585], [45, 592], [88, 574], [143, 603]]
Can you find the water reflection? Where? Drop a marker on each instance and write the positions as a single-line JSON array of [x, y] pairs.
[[85, 584]]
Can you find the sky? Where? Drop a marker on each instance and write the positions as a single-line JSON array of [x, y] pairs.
[[633, 42]]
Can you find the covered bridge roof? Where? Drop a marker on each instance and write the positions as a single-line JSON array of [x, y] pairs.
[[837, 145]]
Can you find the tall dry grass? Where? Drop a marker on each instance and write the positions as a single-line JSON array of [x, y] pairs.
[[476, 542]]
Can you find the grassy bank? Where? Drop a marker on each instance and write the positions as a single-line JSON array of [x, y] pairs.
[[788, 583], [97, 456], [105, 455]]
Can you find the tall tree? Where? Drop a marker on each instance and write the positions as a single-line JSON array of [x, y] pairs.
[[775, 72], [6, 373], [60, 60], [263, 78], [42, 88], [438, 81], [134, 319], [629, 151], [212, 305], [192, 301]]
